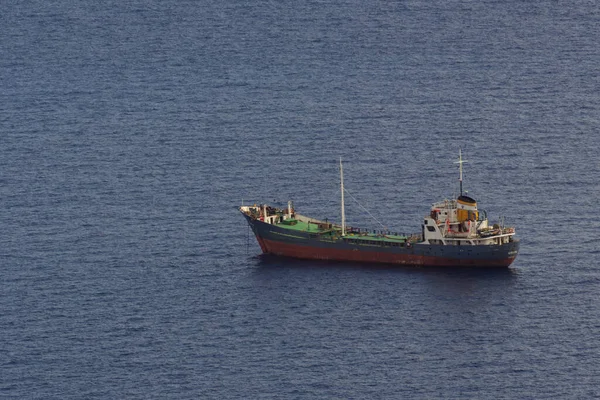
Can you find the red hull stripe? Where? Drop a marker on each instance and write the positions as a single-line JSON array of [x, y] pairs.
[[262, 245], [313, 253]]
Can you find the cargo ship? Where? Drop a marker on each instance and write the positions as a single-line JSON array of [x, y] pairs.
[[455, 233]]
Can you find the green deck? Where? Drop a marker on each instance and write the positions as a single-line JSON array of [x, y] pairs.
[[314, 228], [301, 226]]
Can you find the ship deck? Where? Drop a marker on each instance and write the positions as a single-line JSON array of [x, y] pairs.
[[303, 226]]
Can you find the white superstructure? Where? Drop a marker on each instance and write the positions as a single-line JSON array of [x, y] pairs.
[[459, 222]]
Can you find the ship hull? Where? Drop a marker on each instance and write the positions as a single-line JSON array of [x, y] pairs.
[[283, 242]]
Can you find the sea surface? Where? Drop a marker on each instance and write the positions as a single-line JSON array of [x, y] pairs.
[[131, 130]]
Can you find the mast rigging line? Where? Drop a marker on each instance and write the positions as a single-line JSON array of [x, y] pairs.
[[361, 206]]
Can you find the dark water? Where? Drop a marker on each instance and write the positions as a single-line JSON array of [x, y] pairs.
[[129, 131]]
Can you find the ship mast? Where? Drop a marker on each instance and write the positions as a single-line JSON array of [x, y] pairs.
[[342, 190], [460, 162]]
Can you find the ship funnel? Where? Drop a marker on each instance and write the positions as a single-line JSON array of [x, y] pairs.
[[466, 209]]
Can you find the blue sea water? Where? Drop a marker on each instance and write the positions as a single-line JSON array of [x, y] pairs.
[[130, 131]]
